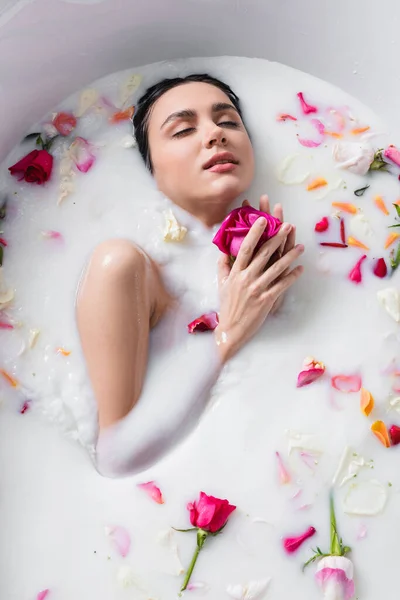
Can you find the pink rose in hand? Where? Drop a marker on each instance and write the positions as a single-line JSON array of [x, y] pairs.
[[209, 513], [236, 226]]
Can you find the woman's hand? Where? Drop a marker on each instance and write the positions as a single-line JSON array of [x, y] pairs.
[[251, 288]]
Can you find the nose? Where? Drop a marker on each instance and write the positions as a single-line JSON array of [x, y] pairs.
[[214, 136]]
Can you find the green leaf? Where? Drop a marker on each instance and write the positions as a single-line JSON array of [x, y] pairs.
[[391, 226], [361, 191], [378, 164], [395, 259], [335, 542], [49, 142], [397, 207], [31, 136], [39, 141], [3, 209]]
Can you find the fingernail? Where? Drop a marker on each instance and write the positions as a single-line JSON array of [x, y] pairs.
[[286, 227], [300, 247], [261, 221]]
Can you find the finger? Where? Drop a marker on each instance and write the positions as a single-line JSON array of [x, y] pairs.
[[283, 284], [224, 268], [249, 244], [264, 204], [278, 212], [265, 253], [277, 269]]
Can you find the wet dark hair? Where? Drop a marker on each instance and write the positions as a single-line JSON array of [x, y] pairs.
[[153, 93]]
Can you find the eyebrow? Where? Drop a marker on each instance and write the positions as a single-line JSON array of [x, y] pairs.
[[191, 114]]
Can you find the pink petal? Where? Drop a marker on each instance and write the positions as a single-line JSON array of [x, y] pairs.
[[309, 376], [120, 538], [207, 322], [314, 143], [25, 407], [284, 476], [42, 595], [305, 107], [52, 235], [380, 268], [152, 491], [291, 544], [346, 383], [355, 274], [336, 582], [393, 154], [81, 154]]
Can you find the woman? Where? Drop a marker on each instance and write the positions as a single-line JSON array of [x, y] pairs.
[[191, 135]]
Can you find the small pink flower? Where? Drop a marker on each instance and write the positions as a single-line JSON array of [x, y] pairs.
[[291, 544], [355, 274], [82, 155], [305, 107], [120, 538], [207, 322], [334, 576], [209, 513], [152, 491]]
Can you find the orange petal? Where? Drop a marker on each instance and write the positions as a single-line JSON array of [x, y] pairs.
[[334, 134], [9, 378], [392, 237], [63, 351], [316, 183], [345, 207], [353, 242], [123, 115], [397, 202], [359, 130], [379, 430], [380, 203], [366, 402]]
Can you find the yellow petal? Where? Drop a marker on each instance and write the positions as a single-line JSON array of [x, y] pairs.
[[366, 402], [63, 351], [380, 203], [316, 183], [358, 130], [353, 242], [392, 237], [379, 430], [345, 207]]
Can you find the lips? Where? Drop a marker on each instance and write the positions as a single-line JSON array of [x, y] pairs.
[[221, 158]]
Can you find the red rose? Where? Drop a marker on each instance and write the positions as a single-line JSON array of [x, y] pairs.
[[237, 225], [209, 513], [35, 167]]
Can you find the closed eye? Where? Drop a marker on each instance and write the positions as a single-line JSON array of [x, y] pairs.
[[179, 134], [232, 124]]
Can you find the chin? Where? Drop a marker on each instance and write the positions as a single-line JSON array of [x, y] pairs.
[[227, 189]]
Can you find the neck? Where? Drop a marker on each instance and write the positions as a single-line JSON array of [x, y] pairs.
[[207, 213]]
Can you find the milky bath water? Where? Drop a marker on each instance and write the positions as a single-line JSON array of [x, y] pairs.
[[55, 507]]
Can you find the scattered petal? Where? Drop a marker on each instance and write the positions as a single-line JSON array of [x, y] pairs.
[[122, 115], [6, 295], [52, 235], [198, 585], [6, 325], [362, 532], [366, 402], [316, 183], [9, 378], [293, 169], [283, 473], [63, 351], [309, 376], [309, 460], [322, 225], [308, 143], [81, 154], [352, 156], [333, 245], [389, 298], [393, 154], [254, 590], [167, 539], [304, 441], [129, 87], [349, 466], [87, 99], [173, 232], [291, 544], [360, 226], [120, 538], [305, 107], [359, 130], [345, 207], [342, 231], [392, 237], [380, 268], [42, 595], [379, 429], [356, 244], [207, 322], [126, 577], [366, 498], [355, 274], [25, 407], [334, 134], [380, 203], [285, 117], [394, 433], [64, 123], [152, 491], [346, 383]]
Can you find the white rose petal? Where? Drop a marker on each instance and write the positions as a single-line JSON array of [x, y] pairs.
[[353, 156], [167, 539], [6, 294], [367, 498], [304, 441], [129, 87], [293, 169], [251, 591], [87, 98], [389, 298], [394, 403], [173, 232], [126, 577], [360, 227], [350, 465], [33, 337]]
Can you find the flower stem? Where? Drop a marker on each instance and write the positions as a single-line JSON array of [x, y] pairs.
[[201, 538], [335, 543]]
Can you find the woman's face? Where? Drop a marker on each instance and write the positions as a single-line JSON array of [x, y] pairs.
[[193, 128]]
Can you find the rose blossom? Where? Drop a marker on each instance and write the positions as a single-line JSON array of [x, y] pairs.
[[236, 226], [334, 575], [35, 167], [209, 513], [356, 157]]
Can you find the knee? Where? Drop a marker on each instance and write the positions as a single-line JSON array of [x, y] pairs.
[[119, 260]]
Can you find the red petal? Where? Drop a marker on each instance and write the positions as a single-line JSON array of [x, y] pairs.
[[308, 376], [207, 322], [355, 274], [394, 432], [306, 108], [380, 268], [23, 164], [3, 242], [346, 383], [291, 544], [285, 116], [322, 225], [64, 123], [26, 406]]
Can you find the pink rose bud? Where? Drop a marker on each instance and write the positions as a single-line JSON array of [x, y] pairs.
[[334, 576], [209, 513], [35, 167], [237, 225]]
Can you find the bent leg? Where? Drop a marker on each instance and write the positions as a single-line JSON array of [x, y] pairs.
[[120, 297]]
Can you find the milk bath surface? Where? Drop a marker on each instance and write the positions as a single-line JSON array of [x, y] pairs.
[[56, 511]]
